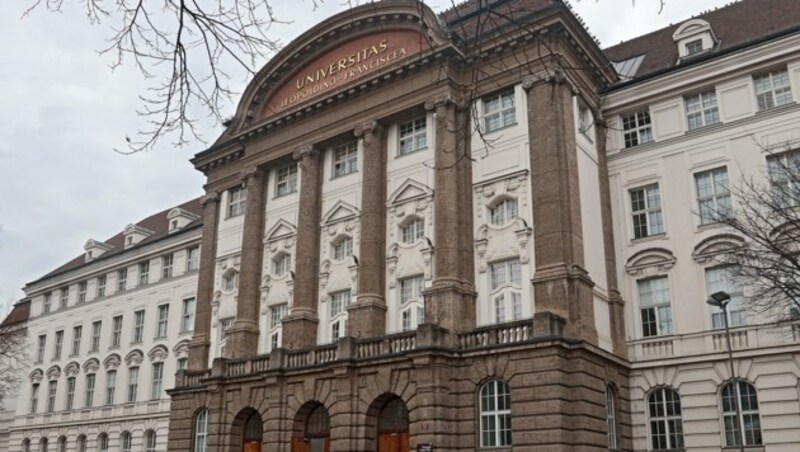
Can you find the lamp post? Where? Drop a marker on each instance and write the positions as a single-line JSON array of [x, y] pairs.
[[721, 299]]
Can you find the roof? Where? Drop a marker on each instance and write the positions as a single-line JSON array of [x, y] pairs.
[[472, 16], [158, 223], [19, 314], [735, 25]]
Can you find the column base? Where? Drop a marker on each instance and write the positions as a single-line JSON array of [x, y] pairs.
[[451, 305], [367, 316], [300, 329], [242, 340], [566, 291], [199, 348]]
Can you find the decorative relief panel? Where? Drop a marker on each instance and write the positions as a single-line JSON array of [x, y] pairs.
[[409, 256]]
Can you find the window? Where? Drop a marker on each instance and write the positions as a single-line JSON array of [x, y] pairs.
[[183, 363], [286, 182], [155, 385], [101, 286], [411, 289], [149, 441], [701, 109], [784, 177], [277, 313], [187, 315], [34, 397], [133, 383], [224, 326], [274, 340], [230, 281], [192, 259], [96, 330], [43, 445], [59, 342], [122, 279], [505, 273], [336, 330], [48, 300], [412, 302], [611, 417], [499, 111], [166, 266], [666, 424], [413, 136], [76, 340], [26, 445], [64, 298], [495, 405], [646, 211], [111, 384], [52, 388], [62, 444], [345, 159], [500, 309], [637, 129], [773, 89], [282, 264], [339, 302], [88, 399], [713, 195], [723, 278], [163, 318], [70, 400], [102, 443], [503, 212], [40, 348], [81, 292], [144, 273], [125, 440], [654, 302], [138, 326], [116, 331], [693, 47], [747, 398], [81, 443], [342, 247], [236, 199], [413, 230], [200, 429]]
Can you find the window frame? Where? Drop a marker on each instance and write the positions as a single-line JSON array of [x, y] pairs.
[[122, 279], [156, 381], [77, 333], [188, 306], [100, 290], [286, 180], [144, 273], [504, 211], [69, 399], [97, 332], [116, 331], [501, 112], [236, 199], [344, 159], [649, 194], [501, 417], [744, 413], [138, 326], [133, 384], [412, 230], [88, 390], [192, 259], [162, 321], [772, 100], [167, 266], [111, 386], [282, 264], [200, 435], [719, 196], [637, 128], [58, 344], [666, 420], [663, 327], [341, 248], [412, 134], [701, 109]]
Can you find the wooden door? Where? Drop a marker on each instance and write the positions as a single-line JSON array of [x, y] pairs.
[[300, 445], [393, 442], [252, 446]]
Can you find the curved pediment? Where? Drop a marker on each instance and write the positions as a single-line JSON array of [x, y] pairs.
[[350, 46], [715, 245], [655, 260]]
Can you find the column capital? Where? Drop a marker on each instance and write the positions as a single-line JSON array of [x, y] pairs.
[[371, 127], [249, 175], [551, 77], [303, 152], [447, 99], [211, 197]]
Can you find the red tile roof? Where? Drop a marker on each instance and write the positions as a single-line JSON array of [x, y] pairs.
[[19, 314], [735, 25]]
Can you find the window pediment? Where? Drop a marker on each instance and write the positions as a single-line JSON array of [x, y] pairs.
[[158, 353], [72, 369], [53, 373], [280, 230], [651, 261], [91, 365], [340, 211], [409, 190], [36, 376], [711, 247], [178, 218], [112, 361], [134, 358]]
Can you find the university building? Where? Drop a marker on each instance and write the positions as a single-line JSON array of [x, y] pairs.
[[472, 230]]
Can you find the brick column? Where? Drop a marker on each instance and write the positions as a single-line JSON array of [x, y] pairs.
[[561, 284], [450, 301], [300, 326], [201, 339], [367, 316], [243, 335]]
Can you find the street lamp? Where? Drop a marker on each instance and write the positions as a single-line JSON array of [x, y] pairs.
[[721, 299]]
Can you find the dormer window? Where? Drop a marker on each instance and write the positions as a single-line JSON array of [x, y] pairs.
[[95, 249], [178, 218], [693, 37], [134, 234]]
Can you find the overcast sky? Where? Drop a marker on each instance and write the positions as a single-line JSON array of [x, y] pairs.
[[63, 110]]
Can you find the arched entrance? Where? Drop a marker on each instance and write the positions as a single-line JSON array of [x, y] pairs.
[[393, 426], [253, 433], [312, 429]]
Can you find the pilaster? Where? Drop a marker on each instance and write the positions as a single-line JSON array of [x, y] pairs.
[[201, 339]]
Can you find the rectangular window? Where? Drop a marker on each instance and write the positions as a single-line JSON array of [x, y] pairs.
[[47, 302], [163, 318], [116, 331], [773, 89], [155, 386], [505, 273], [701, 109], [277, 313], [286, 182], [52, 388], [637, 128], [88, 399], [236, 200], [784, 177], [144, 273], [500, 308], [138, 326], [693, 47], [406, 320], [70, 400], [413, 136], [516, 300], [40, 348], [77, 331], [274, 340], [59, 342], [122, 279], [713, 195], [342, 248], [499, 111], [336, 330], [133, 383], [411, 289], [101, 286], [339, 302], [282, 264], [654, 301], [34, 397], [64, 299], [183, 363], [187, 315], [111, 385], [345, 159], [724, 278], [96, 329], [166, 266], [192, 259], [82, 291], [646, 211]]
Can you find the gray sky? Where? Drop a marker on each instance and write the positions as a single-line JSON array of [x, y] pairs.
[[63, 110]]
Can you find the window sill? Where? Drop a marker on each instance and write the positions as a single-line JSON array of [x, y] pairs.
[[415, 151], [487, 132], [342, 176], [283, 195], [649, 238], [712, 225]]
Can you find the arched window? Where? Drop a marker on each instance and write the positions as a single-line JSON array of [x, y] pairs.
[[495, 415], [666, 423], [611, 417], [150, 441], [503, 212], [62, 444], [125, 441], [102, 442], [412, 230], [26, 445], [319, 423], [200, 431], [81, 443], [748, 405], [43, 445]]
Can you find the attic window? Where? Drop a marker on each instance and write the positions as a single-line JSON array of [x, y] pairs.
[[693, 37], [173, 225], [693, 47], [130, 241]]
